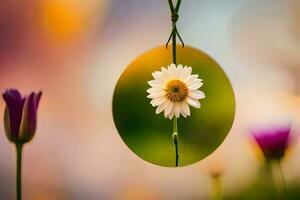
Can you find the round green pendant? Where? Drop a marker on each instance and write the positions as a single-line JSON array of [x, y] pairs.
[[149, 135]]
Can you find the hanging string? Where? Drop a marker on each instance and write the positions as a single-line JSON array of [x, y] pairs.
[[174, 34]]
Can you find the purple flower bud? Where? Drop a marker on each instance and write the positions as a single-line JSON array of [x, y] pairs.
[[20, 117], [273, 142]]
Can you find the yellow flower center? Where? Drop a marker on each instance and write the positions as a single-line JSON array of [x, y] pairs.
[[176, 90]]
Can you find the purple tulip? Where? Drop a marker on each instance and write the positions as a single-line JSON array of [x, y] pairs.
[[20, 117], [273, 142]]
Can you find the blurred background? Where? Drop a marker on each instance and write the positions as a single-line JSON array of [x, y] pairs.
[[75, 51]]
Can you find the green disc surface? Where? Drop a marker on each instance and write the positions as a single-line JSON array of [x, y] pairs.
[[149, 135]]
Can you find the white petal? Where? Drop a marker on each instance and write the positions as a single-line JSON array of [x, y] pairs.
[[155, 83], [195, 85], [183, 114], [161, 77], [185, 109], [171, 115], [186, 73], [157, 101], [179, 71], [193, 102], [197, 94], [164, 70], [188, 70], [177, 109], [156, 74], [168, 108], [154, 90], [162, 106], [190, 79], [156, 95], [172, 70], [164, 75], [172, 67]]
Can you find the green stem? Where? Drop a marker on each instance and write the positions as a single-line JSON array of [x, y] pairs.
[[19, 148], [282, 180], [217, 188], [175, 139], [175, 125], [278, 178]]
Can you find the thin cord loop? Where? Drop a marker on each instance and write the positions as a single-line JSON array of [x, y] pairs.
[[174, 18]]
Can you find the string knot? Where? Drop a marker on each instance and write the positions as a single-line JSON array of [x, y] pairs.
[[175, 17]]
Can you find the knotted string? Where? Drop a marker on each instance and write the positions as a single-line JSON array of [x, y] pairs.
[[174, 18]]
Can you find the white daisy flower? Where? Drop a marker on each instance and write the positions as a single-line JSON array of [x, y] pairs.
[[174, 89]]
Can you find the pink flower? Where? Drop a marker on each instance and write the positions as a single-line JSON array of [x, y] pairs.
[[273, 142]]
